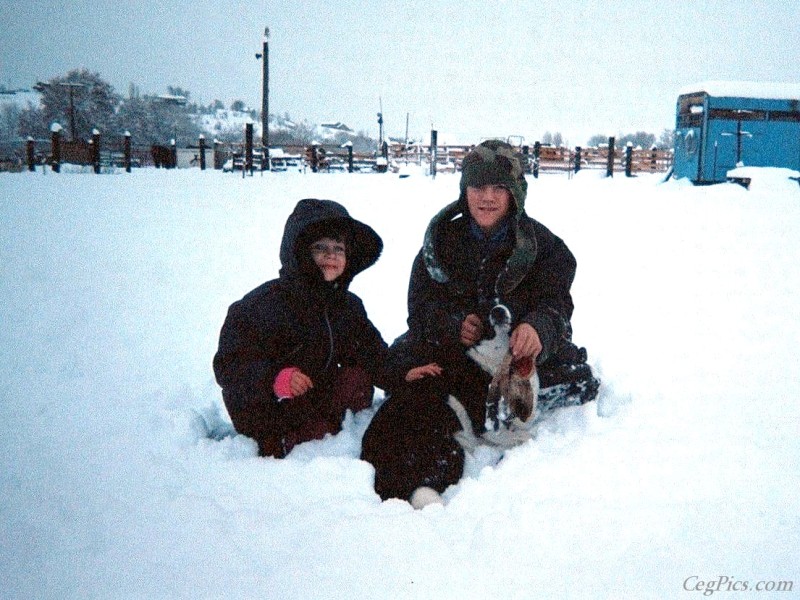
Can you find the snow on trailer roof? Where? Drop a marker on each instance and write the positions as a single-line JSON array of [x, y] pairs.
[[745, 89]]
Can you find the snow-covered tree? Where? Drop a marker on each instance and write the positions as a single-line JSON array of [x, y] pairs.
[[155, 120], [81, 99], [9, 121], [640, 139], [667, 139], [32, 123]]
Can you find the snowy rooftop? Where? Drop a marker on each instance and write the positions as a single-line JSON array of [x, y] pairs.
[[745, 89], [19, 97]]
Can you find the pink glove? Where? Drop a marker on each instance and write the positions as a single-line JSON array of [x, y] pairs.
[[283, 383]]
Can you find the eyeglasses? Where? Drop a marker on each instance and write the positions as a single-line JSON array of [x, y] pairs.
[[319, 249]]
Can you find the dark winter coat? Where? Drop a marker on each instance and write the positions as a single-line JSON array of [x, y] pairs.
[[300, 320], [524, 266], [456, 273], [410, 440]]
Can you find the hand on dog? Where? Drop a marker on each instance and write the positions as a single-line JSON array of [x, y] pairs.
[[471, 330], [525, 342], [429, 370]]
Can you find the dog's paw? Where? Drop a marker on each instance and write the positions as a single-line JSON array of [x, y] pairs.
[[467, 441], [424, 496], [507, 438]]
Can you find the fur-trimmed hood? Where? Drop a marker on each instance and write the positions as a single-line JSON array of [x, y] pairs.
[[492, 162], [518, 264]]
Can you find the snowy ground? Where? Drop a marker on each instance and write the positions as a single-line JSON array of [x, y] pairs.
[[112, 292]]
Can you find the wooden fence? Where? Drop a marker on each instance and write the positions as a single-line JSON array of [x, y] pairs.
[[544, 159], [245, 157]]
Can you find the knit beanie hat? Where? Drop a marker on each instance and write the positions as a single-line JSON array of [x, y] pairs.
[[495, 162]]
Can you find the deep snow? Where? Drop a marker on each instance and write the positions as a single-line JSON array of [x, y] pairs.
[[112, 292]]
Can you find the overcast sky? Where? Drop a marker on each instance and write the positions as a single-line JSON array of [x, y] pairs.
[[470, 69]]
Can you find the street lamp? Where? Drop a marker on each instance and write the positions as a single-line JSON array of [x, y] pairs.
[[264, 56]]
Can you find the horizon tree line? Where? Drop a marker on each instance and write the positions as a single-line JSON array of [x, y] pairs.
[[82, 101]]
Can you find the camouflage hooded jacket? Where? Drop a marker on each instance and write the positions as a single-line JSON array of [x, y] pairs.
[[530, 272]]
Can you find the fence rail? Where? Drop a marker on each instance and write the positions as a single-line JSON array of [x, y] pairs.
[[542, 159], [120, 152]]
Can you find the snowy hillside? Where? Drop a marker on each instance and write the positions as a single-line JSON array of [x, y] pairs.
[[119, 481], [224, 121], [232, 123]]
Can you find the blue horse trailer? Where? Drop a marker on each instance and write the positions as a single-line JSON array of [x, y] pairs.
[[722, 124]]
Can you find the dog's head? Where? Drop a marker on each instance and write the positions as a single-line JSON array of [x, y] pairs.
[[500, 319], [488, 353]]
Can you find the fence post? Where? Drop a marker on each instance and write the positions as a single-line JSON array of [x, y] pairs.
[[248, 147], [434, 136], [96, 150], [127, 152], [653, 159], [55, 147], [30, 155], [628, 159], [349, 157], [173, 154], [217, 156], [314, 157], [610, 159], [577, 158], [202, 144], [537, 151]]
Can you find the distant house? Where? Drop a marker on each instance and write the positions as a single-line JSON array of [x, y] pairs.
[[721, 124], [19, 97], [338, 127]]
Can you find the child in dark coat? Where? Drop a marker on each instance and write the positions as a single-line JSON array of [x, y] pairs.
[[480, 251], [298, 351]]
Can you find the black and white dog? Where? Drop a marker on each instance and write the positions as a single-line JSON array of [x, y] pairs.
[[512, 394]]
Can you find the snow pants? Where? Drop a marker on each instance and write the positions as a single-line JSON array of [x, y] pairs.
[[278, 429], [410, 440]]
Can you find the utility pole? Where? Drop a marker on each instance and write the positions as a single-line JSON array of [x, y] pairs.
[[380, 124], [264, 56], [70, 85]]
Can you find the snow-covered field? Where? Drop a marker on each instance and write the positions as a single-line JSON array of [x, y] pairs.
[[112, 292]]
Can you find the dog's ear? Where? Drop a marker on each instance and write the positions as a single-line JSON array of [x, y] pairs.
[[520, 399], [521, 394], [494, 397]]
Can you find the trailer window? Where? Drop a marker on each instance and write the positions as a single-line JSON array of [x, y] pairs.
[[781, 115], [690, 110], [731, 114]]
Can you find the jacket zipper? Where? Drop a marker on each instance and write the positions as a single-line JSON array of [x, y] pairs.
[[330, 339]]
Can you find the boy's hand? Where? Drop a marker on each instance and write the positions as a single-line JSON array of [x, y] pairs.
[[429, 370], [525, 342], [471, 330]]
